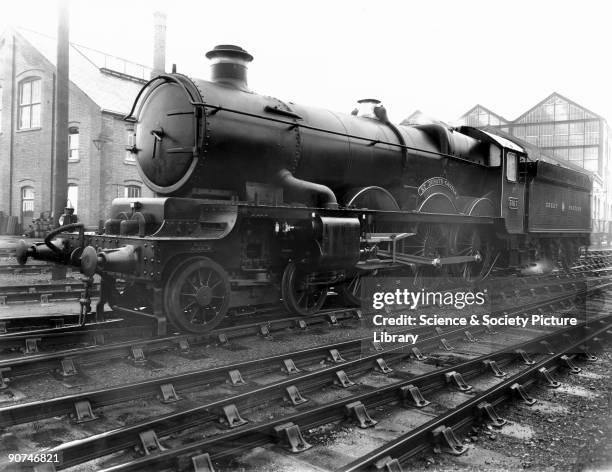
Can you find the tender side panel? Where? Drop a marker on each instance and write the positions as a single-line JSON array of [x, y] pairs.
[[558, 209]]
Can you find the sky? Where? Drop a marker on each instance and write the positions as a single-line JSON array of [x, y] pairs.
[[438, 56]]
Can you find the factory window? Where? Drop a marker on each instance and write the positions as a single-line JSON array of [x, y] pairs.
[[561, 134], [519, 131], [133, 191], [591, 164], [561, 112], [576, 154], [576, 113], [29, 104], [131, 142], [546, 135], [73, 197], [591, 138], [548, 113], [73, 143]]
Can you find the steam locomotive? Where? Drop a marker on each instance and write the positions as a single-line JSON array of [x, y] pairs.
[[260, 201]]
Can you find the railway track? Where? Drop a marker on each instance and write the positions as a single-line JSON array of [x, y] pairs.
[[440, 431], [141, 434], [72, 353], [48, 350]]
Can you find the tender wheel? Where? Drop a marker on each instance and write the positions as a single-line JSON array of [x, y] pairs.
[[468, 241], [299, 296], [430, 241], [197, 295], [569, 253]]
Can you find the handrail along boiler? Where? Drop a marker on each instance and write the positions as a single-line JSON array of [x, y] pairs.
[[259, 200]]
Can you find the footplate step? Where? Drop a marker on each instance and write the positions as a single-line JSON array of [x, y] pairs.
[[357, 410], [446, 441], [411, 395], [291, 437]]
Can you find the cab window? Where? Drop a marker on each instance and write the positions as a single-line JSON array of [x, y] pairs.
[[511, 167]]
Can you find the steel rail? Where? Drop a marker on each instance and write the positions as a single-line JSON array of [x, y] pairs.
[[95, 446], [226, 445], [43, 362], [11, 415], [421, 438]]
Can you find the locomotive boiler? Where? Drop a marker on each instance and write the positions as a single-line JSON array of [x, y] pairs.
[[260, 200]]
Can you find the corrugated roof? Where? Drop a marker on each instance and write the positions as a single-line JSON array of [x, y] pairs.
[[110, 92]]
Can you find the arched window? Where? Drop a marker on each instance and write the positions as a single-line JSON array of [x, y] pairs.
[[29, 103], [73, 197], [133, 191], [73, 143]]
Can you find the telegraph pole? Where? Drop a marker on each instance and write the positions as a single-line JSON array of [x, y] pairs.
[[60, 169]]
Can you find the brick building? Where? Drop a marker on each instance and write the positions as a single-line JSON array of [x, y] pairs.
[[102, 90]]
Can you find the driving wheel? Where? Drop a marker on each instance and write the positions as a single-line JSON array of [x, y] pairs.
[[468, 241]]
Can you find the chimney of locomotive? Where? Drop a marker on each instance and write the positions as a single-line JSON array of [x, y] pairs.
[[229, 65], [159, 44]]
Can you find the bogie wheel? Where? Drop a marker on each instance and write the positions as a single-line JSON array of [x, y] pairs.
[[197, 295], [299, 296], [469, 241]]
